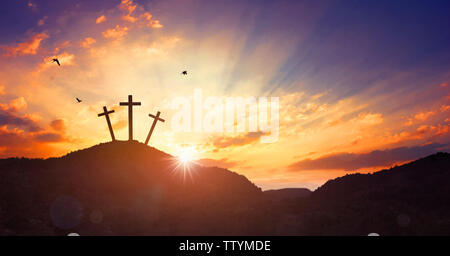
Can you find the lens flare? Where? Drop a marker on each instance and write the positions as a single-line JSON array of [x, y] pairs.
[[186, 156], [184, 160]]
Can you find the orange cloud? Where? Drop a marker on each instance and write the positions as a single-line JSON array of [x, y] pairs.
[[147, 16], [432, 131], [87, 42], [115, 33], [2, 90], [422, 116], [333, 122], [41, 22], [119, 125], [241, 140], [409, 122], [422, 132], [18, 104], [129, 18], [21, 135], [131, 15], [293, 111], [151, 22], [369, 118], [16, 142], [26, 48], [128, 6], [424, 129], [100, 19], [443, 84], [60, 46], [32, 5], [441, 130], [156, 24], [66, 59], [58, 125], [9, 118]]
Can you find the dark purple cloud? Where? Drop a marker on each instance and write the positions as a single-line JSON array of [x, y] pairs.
[[352, 161], [49, 137], [9, 118]]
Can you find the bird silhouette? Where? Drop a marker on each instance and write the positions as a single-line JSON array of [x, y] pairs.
[[184, 72], [57, 62], [78, 100]]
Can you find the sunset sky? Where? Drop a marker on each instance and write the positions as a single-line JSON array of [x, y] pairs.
[[362, 85]]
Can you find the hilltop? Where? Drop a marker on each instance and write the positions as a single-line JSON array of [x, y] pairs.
[[121, 187], [411, 199], [128, 188]]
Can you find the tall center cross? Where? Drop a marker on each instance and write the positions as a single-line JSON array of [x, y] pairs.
[[130, 105], [155, 119], [106, 114]]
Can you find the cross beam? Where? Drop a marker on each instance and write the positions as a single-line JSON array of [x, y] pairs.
[[155, 119], [130, 105], [106, 114]]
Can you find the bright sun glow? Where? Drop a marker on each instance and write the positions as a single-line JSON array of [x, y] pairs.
[[187, 155], [182, 163]]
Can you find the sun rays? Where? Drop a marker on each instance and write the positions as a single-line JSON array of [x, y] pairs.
[[182, 163]]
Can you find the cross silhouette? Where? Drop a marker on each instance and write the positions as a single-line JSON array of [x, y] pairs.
[[156, 119], [106, 114], [130, 105]]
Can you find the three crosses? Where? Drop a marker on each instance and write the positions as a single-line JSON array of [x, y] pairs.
[[130, 105]]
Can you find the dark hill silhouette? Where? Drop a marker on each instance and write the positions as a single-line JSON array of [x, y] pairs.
[[412, 199], [128, 188], [409, 178]]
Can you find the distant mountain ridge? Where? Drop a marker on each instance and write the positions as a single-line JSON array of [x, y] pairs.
[[403, 176], [410, 199], [287, 193]]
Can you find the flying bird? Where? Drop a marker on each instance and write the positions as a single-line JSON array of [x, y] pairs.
[[57, 62], [78, 100], [184, 72]]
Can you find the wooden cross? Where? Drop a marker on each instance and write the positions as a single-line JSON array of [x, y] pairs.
[[156, 119], [106, 114], [130, 105]]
